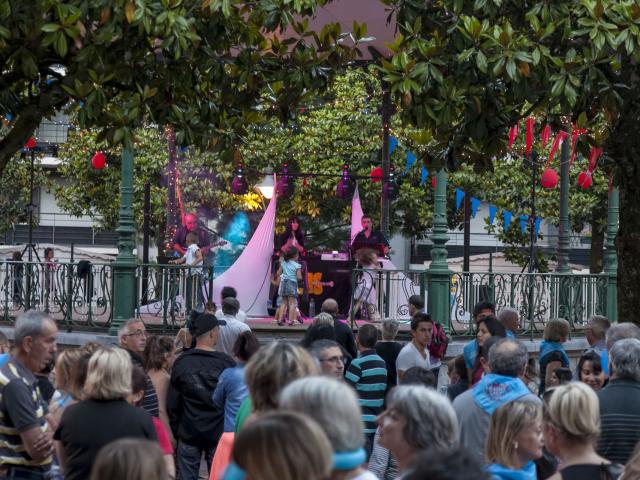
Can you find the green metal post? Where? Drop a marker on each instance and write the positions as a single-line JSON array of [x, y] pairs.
[[439, 274], [563, 237], [611, 257], [124, 267]]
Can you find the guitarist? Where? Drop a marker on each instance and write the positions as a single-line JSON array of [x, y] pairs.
[[205, 245]]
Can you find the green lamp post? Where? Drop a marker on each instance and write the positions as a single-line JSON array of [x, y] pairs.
[[611, 256], [438, 274], [124, 267]]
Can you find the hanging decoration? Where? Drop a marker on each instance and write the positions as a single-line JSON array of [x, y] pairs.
[[492, 213], [376, 175], [594, 155], [424, 173], [549, 178], [411, 160], [99, 160], [560, 137], [393, 143], [459, 197], [31, 143], [536, 226], [529, 139], [434, 182], [513, 134], [585, 180], [475, 204], [545, 135], [506, 219]]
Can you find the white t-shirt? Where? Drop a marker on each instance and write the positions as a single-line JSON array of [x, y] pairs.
[[409, 357], [241, 316], [366, 475]]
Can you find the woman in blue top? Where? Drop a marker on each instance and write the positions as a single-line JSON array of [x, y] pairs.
[[552, 354], [514, 441], [290, 274]]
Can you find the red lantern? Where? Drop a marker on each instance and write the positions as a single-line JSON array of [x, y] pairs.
[[31, 143], [99, 160], [585, 180], [433, 182], [549, 178], [376, 175]]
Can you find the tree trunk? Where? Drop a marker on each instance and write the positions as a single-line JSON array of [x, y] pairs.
[[624, 147]]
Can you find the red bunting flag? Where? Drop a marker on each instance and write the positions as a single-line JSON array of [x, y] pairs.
[[530, 124], [560, 137], [546, 134], [513, 133], [593, 157]]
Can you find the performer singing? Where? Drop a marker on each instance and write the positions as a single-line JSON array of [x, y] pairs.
[[180, 238], [293, 236], [368, 237]]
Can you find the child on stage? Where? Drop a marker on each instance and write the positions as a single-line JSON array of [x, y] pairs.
[[290, 274]]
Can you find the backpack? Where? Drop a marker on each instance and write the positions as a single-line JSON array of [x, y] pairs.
[[439, 342]]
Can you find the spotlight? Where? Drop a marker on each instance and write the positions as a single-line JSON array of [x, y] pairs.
[[390, 188], [344, 190], [239, 183], [285, 183], [266, 186]]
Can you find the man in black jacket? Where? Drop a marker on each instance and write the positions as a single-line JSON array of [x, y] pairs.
[[195, 420], [344, 334]]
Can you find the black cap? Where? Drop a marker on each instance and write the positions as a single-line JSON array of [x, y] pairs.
[[206, 322]]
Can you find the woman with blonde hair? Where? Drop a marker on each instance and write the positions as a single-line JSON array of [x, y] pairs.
[[68, 384], [103, 415], [270, 369], [514, 441], [571, 425], [552, 354], [282, 446]]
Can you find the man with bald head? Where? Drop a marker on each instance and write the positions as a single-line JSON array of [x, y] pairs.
[[344, 334], [180, 237]]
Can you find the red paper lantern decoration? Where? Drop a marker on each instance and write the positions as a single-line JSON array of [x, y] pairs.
[[433, 182], [31, 143], [99, 160], [585, 180], [549, 178], [376, 175]]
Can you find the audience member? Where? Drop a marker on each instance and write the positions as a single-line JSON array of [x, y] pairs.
[[435, 348], [560, 376], [416, 418], [632, 468], [162, 432], [197, 423], [510, 320], [230, 292], [343, 332], [368, 375], [330, 358], [420, 376], [571, 427], [531, 376], [44, 383], [321, 328], [416, 305], [389, 349], [232, 327], [5, 349], [451, 464], [507, 361], [458, 380], [470, 350], [282, 446], [130, 459], [132, 336], [334, 406], [69, 388], [159, 356], [26, 445], [514, 441], [620, 331], [596, 333], [102, 416], [270, 369], [552, 354], [590, 370], [488, 327], [415, 353], [620, 402]]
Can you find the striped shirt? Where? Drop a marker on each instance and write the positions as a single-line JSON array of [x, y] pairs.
[[368, 375], [21, 409], [619, 419]]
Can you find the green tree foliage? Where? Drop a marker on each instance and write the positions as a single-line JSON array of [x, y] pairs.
[[204, 66], [15, 189]]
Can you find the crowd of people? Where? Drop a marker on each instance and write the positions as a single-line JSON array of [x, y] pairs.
[[337, 406]]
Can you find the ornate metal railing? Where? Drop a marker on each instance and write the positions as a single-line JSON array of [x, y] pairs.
[[538, 297], [81, 294]]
